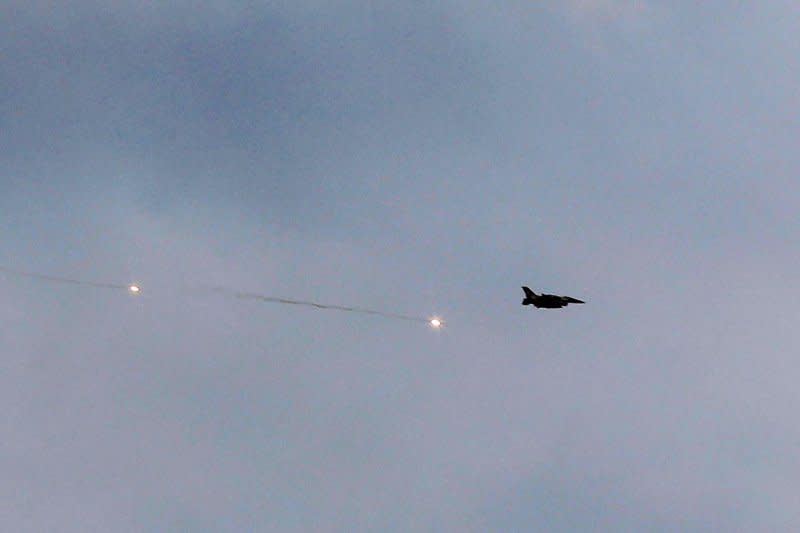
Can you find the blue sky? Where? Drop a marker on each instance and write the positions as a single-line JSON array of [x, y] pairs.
[[421, 158]]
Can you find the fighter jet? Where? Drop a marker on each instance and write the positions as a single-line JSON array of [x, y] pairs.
[[548, 301]]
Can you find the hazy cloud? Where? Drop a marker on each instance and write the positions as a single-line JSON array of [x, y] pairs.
[[415, 159]]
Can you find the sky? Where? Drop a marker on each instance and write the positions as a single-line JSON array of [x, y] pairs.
[[418, 158]]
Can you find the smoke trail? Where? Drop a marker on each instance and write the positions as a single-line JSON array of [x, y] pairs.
[[57, 279], [435, 322], [348, 309]]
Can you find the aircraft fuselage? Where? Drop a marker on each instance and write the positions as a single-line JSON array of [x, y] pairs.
[[547, 301]]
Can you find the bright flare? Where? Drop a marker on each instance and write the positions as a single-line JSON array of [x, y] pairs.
[[435, 323], [133, 289]]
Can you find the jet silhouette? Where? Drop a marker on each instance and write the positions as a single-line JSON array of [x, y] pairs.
[[548, 301]]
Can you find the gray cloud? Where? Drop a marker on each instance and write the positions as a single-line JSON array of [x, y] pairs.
[[417, 159]]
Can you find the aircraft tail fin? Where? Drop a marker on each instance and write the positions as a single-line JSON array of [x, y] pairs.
[[529, 296], [528, 292]]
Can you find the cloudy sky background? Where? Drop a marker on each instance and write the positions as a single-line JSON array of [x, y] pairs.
[[418, 158]]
